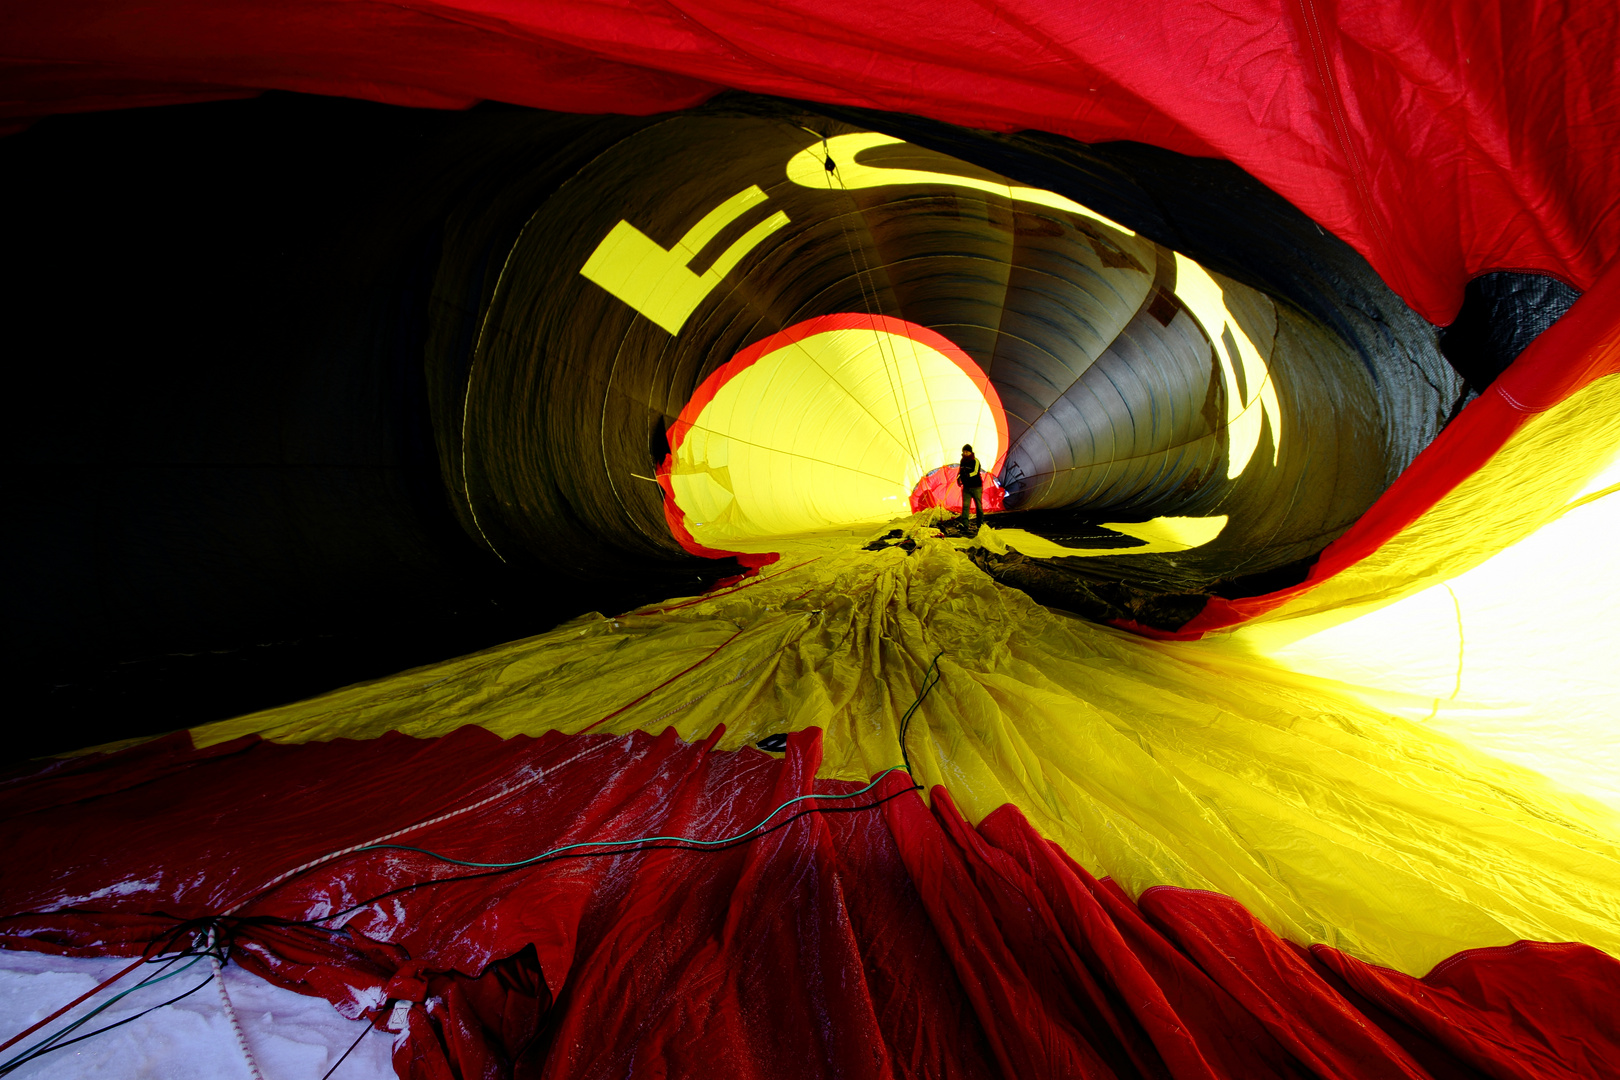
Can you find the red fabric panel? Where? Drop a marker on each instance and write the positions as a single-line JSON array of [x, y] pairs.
[[33, 787], [82, 52], [1571, 1028], [939, 488], [888, 940], [1195, 1025], [1441, 141], [1049, 1037], [1277, 986], [701, 962]]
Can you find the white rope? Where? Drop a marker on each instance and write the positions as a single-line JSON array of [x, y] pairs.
[[230, 1010], [350, 850], [866, 280], [213, 955]]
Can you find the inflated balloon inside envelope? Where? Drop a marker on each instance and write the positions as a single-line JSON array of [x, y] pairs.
[[1148, 404]]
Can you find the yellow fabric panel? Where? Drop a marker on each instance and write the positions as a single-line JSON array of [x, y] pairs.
[[1246, 413], [658, 282], [1180, 763], [1164, 534], [1515, 657], [1523, 487], [808, 168], [834, 428]]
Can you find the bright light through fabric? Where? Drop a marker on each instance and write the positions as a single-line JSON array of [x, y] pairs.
[[830, 423]]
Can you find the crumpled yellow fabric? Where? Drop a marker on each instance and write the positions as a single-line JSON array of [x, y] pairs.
[[1197, 764], [1154, 763]]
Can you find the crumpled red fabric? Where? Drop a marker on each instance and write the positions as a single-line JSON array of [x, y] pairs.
[[1441, 141], [876, 936]]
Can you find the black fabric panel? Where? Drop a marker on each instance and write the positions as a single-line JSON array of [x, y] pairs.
[[1502, 313]]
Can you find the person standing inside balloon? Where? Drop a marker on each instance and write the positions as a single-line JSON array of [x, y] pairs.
[[971, 477]]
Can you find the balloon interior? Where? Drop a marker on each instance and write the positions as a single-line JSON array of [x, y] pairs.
[[902, 794]]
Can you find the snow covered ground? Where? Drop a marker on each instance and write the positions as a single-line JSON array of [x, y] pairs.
[[292, 1037]]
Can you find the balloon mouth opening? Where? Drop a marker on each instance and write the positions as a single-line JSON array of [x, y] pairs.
[[837, 421]]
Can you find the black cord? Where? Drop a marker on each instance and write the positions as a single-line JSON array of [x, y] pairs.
[[225, 923], [225, 926], [346, 1053], [14, 1066]]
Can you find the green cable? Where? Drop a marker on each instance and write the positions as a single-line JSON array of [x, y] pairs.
[[930, 679], [905, 722], [628, 843], [41, 1047]]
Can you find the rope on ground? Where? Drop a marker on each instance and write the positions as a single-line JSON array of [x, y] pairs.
[[230, 1010], [351, 849], [214, 949]]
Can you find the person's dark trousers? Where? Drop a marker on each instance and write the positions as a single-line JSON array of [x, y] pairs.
[[976, 493]]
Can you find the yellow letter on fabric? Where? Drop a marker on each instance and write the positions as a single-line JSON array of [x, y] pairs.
[[808, 168], [659, 283], [1250, 403]]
